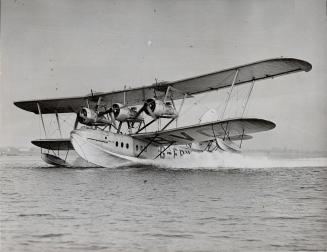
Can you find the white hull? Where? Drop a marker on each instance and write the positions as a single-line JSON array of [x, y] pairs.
[[97, 155], [110, 150]]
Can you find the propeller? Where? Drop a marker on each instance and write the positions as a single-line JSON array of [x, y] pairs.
[[115, 109], [83, 113], [108, 111], [148, 107]]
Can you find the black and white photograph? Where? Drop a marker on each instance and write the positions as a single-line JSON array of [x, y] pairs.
[[178, 125]]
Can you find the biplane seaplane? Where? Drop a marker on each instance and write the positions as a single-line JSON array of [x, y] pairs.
[[98, 135]]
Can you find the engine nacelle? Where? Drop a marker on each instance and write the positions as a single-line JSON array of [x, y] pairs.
[[156, 108], [89, 117], [124, 114]]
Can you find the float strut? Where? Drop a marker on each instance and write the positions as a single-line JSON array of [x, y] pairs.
[[242, 139], [66, 155]]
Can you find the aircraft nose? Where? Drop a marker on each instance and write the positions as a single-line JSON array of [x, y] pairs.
[[74, 133], [78, 143]]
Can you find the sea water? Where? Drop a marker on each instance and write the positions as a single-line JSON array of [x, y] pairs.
[[211, 202]]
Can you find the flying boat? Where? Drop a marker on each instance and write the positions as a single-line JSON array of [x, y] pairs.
[[112, 127]]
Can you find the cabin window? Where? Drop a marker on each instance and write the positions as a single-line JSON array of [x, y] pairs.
[[137, 147], [122, 144], [116, 143], [127, 146]]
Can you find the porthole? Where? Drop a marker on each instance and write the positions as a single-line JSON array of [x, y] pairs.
[[127, 146], [116, 143], [122, 144]]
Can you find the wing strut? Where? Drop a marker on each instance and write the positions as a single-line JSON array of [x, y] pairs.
[[248, 97], [40, 113], [180, 109], [57, 117], [229, 94]]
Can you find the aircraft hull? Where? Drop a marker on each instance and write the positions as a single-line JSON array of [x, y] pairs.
[[95, 154], [108, 149]]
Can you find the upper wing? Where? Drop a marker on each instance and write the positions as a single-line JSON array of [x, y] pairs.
[[254, 71], [49, 106], [251, 72], [232, 128]]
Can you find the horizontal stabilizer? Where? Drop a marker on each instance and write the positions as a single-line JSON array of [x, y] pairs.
[[54, 144]]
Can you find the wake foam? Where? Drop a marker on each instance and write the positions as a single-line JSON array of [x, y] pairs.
[[221, 160]]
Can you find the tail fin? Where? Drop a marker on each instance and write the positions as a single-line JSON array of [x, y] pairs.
[[209, 116]]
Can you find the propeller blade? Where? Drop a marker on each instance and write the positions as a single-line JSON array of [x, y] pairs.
[[143, 108], [105, 112], [113, 120], [151, 104], [110, 112]]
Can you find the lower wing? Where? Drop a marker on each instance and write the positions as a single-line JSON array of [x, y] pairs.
[[232, 129], [54, 144]]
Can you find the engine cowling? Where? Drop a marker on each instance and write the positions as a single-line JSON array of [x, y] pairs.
[[124, 114], [89, 117], [156, 108]]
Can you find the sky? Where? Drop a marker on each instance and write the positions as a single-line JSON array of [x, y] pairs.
[[64, 48]]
